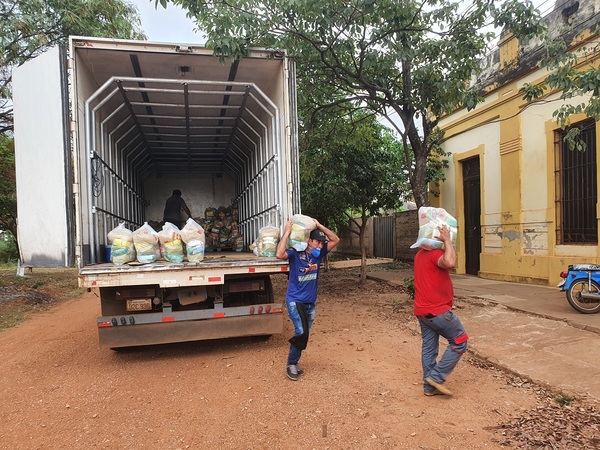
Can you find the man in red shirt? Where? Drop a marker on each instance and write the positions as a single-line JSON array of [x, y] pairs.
[[434, 295]]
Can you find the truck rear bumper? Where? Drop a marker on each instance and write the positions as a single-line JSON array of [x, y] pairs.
[[194, 330]]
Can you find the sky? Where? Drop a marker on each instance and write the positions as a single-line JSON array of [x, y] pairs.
[[166, 25]]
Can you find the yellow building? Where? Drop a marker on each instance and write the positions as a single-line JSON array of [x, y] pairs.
[[527, 207]]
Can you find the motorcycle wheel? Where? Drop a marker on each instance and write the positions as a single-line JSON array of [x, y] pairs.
[[584, 305]]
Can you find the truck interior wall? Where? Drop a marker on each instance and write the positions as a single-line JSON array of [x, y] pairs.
[[256, 162], [199, 192], [83, 85]]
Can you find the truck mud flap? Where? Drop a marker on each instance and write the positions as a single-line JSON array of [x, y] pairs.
[[185, 331]]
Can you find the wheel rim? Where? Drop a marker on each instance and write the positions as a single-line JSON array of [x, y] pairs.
[[582, 287]]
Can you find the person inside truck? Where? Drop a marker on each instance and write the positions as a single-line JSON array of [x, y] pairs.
[[302, 286], [173, 207]]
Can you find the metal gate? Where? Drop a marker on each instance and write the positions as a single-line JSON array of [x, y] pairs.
[[384, 237]]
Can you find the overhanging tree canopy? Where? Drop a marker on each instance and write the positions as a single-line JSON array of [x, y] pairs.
[[406, 60], [31, 26]]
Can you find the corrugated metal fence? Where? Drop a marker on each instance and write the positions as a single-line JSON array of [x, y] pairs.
[[384, 237]]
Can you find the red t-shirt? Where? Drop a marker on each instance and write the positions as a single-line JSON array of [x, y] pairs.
[[434, 293]]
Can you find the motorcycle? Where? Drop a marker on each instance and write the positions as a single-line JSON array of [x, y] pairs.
[[581, 282]]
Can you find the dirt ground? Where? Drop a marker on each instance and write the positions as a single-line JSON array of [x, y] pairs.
[[361, 389]]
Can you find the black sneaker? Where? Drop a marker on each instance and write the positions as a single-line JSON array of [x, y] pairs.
[[292, 372], [300, 371]]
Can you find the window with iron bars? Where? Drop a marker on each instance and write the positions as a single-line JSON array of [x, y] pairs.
[[576, 187]]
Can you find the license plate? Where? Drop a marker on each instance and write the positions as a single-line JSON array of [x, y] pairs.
[[139, 304], [562, 283]]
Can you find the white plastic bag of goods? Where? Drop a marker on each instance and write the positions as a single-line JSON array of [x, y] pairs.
[[268, 238], [429, 220], [301, 227], [171, 245], [122, 250], [195, 241], [146, 244]]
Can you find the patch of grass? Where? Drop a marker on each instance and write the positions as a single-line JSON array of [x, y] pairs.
[[563, 399], [37, 291], [395, 265], [11, 319], [62, 279]]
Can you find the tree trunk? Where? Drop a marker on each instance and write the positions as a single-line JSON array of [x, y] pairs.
[[363, 250], [418, 179]]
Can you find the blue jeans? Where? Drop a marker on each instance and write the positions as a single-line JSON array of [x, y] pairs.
[[295, 352], [448, 326]]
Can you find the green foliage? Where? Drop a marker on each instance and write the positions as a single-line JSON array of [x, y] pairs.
[[31, 26], [574, 74], [409, 285], [436, 162], [350, 164], [564, 399], [407, 61], [8, 195], [8, 248]]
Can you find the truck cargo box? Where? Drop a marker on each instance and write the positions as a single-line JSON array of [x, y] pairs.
[[105, 131], [145, 119]]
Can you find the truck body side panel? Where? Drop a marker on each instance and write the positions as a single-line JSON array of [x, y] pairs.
[[43, 162]]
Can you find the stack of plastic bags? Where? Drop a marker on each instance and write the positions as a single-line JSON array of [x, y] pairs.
[[193, 236], [121, 241], [301, 228], [171, 245], [146, 244], [429, 220]]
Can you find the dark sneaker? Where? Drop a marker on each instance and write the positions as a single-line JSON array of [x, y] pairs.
[[292, 372], [432, 393], [439, 386], [300, 371]]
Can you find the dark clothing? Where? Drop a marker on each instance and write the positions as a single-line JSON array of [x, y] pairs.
[[300, 341], [173, 207]]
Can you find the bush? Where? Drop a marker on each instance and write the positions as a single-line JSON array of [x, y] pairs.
[[8, 248], [409, 285]]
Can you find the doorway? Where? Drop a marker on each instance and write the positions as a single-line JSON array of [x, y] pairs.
[[472, 211]]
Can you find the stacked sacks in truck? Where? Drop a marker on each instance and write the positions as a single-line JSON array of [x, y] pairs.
[[236, 239], [430, 219], [147, 248], [193, 236], [121, 242], [223, 224], [219, 229], [211, 238]]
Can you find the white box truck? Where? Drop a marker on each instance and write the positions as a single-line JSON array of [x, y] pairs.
[[105, 131]]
